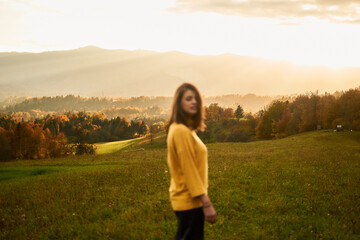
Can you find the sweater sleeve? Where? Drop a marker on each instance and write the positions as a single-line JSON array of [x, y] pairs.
[[184, 142]]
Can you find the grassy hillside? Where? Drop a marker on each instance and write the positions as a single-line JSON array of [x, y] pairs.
[[301, 187], [137, 144]]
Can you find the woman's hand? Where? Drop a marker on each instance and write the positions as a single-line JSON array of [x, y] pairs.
[[210, 214], [208, 209]]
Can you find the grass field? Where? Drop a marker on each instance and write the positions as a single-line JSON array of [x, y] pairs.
[[137, 144], [301, 187]]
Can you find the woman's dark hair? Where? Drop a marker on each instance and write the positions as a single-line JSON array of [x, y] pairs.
[[179, 116]]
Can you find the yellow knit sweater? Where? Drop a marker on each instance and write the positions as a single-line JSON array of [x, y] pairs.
[[187, 160]]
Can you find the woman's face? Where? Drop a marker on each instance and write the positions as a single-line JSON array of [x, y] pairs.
[[189, 103]]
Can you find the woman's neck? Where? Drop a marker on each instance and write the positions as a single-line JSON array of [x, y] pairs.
[[190, 123]]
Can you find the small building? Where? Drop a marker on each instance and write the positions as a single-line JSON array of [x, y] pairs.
[[339, 128]]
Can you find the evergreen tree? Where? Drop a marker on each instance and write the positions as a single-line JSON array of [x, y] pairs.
[[239, 112]]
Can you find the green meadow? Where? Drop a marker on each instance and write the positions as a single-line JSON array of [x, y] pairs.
[[137, 144], [116, 146], [305, 186]]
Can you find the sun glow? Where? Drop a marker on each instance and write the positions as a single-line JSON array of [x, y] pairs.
[[52, 25]]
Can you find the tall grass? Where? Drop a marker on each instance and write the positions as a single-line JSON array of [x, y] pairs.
[[301, 187]]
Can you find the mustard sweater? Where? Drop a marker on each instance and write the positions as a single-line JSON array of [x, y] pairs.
[[187, 160]]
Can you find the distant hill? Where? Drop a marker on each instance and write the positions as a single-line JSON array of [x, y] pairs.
[[249, 102], [92, 71]]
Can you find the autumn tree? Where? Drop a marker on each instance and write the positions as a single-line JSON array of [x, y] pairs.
[[309, 109], [5, 147], [325, 111], [227, 113], [154, 129], [283, 125], [56, 146], [347, 109], [268, 124], [213, 112]]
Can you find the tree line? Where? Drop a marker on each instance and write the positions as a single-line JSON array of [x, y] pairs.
[[61, 135], [227, 125], [57, 135], [77, 103], [282, 118], [310, 112], [39, 107]]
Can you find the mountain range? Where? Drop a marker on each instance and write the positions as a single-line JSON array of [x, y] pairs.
[[93, 71]]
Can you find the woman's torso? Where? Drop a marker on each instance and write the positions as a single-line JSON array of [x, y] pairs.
[[183, 146]]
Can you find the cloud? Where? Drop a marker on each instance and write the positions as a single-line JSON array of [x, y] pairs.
[[345, 11]]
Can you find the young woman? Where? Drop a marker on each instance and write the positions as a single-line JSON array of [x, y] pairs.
[[187, 160]]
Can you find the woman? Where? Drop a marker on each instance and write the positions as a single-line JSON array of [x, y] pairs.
[[187, 160]]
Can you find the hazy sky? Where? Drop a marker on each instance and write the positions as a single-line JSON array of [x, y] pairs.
[[323, 32]]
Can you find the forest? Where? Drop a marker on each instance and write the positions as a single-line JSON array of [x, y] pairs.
[[55, 136], [142, 106], [307, 112], [75, 132]]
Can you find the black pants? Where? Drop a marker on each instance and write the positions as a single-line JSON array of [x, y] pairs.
[[190, 224]]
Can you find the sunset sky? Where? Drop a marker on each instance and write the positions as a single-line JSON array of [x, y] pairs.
[[321, 32]]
